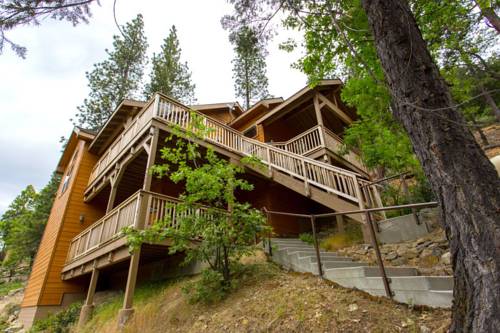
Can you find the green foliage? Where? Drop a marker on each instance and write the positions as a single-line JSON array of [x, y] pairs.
[[22, 225], [60, 322], [7, 287], [169, 75], [307, 238], [210, 288], [352, 235], [227, 228], [249, 66], [115, 78]]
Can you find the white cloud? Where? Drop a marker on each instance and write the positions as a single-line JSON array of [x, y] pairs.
[[39, 95]]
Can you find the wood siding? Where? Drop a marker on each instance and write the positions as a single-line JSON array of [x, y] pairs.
[[45, 286]]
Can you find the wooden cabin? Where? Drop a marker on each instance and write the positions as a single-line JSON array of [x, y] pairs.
[[105, 186]]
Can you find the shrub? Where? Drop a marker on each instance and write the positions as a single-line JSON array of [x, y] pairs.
[[307, 238], [351, 236], [210, 288], [60, 322]]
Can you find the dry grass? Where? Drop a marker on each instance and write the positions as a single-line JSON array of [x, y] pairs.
[[271, 300]]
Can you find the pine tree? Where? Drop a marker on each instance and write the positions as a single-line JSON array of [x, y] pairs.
[[22, 225], [169, 75], [115, 78], [249, 66]]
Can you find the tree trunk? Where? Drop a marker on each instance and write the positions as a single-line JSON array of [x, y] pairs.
[[489, 13], [489, 99], [460, 174]]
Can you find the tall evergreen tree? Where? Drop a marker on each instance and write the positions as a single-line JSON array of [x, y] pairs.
[[249, 66], [22, 225], [169, 75], [115, 78]]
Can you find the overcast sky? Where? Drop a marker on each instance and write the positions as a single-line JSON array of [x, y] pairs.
[[40, 94]]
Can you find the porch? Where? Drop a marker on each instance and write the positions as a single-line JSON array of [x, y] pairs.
[[103, 243]]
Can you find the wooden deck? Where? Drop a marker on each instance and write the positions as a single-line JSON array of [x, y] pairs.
[[103, 243], [334, 180]]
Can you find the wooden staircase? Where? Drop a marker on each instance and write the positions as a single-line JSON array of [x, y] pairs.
[[334, 187]]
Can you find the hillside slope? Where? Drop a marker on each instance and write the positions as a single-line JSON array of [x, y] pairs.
[[269, 300]]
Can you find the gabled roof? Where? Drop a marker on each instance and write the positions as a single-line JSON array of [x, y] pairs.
[[304, 92], [76, 134], [126, 108], [266, 102], [235, 106]]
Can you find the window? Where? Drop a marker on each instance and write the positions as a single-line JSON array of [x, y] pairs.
[[69, 173], [251, 132]]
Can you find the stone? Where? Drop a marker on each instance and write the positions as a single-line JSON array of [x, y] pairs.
[[352, 307], [399, 261], [437, 251], [391, 256], [410, 254], [424, 329], [446, 258]]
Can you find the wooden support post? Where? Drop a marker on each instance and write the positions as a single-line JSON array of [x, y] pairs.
[[361, 204], [340, 223], [151, 158], [88, 306], [127, 311], [317, 110], [112, 195]]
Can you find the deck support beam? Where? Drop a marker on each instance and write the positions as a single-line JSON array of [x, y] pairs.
[[148, 177], [317, 110], [127, 311], [88, 306]]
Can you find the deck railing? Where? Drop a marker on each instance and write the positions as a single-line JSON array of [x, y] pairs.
[[303, 143], [120, 144], [128, 213], [315, 138], [335, 143]]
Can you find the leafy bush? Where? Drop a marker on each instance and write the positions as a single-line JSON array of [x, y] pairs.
[[351, 236], [7, 287], [307, 238], [210, 288], [60, 322]]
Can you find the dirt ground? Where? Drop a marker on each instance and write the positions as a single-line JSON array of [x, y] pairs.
[[273, 300]]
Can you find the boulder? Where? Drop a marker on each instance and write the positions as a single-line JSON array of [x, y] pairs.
[[446, 258]]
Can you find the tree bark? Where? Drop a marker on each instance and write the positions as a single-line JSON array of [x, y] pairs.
[[489, 13], [460, 174]]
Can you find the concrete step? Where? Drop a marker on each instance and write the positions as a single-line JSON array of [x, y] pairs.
[[407, 286], [418, 290], [295, 247], [340, 264], [369, 271]]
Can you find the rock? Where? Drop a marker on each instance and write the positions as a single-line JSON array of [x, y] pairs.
[[424, 329], [437, 251], [426, 253], [352, 307], [399, 261], [446, 258], [410, 254], [391, 256]]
